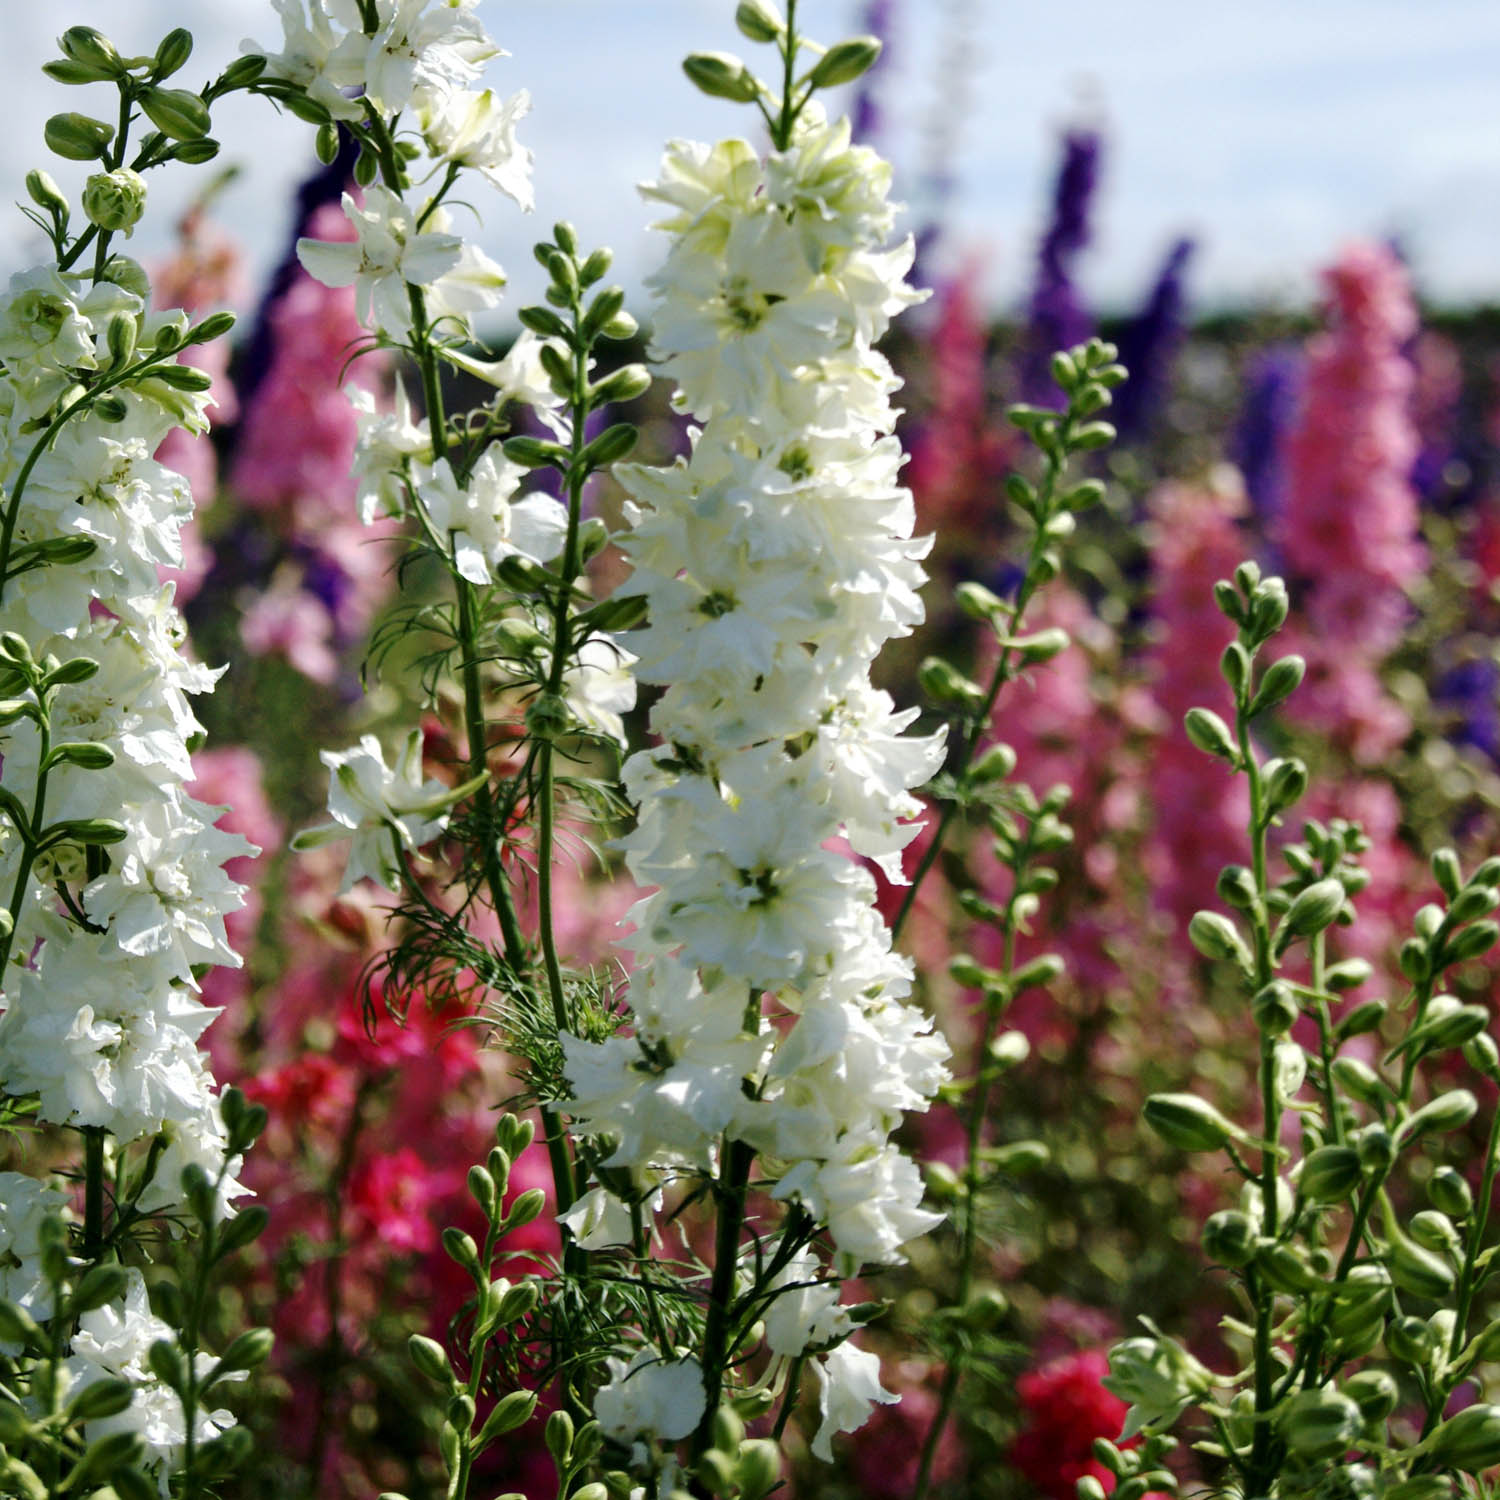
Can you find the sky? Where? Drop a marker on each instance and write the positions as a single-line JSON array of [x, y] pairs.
[[1273, 132]]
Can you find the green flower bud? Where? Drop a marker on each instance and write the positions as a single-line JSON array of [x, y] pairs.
[[757, 1470], [172, 53], [1482, 1055], [1421, 1487], [1473, 901], [115, 200], [1274, 1009], [1089, 1488], [177, 113], [1286, 1269], [977, 602], [1476, 938], [1348, 974], [944, 683], [1376, 1148], [45, 193], [1419, 1271], [1234, 667], [844, 62], [1268, 608], [1450, 1111], [1450, 1194], [1447, 872], [1374, 1392], [1215, 936], [1469, 1440], [995, 764], [1314, 909], [430, 1358], [548, 717], [1286, 783], [1229, 1237], [721, 75], [1435, 1230], [1210, 734], [1282, 679], [1188, 1122], [1330, 1173], [1236, 887], [1360, 1081], [77, 137], [1320, 1423], [91, 49], [759, 20]]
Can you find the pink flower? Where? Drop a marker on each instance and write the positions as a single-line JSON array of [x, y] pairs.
[[391, 1194], [1065, 1408]]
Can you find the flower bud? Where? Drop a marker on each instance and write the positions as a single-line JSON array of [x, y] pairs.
[[1285, 1269], [1215, 936], [759, 20], [944, 683], [1360, 1081], [1450, 1193], [1374, 1392], [1282, 678], [1236, 887], [995, 764], [1234, 667], [1348, 974], [844, 62], [1188, 1122], [1210, 734], [1469, 1440], [91, 50], [721, 75], [1274, 1009], [115, 200], [177, 113], [1320, 1423], [45, 193], [77, 137], [548, 717], [1268, 608], [1473, 901], [1452, 1026], [1286, 782], [757, 1469], [1476, 938], [1229, 1237], [1450, 1111], [1418, 1271], [1330, 1173], [1376, 1148], [430, 1358], [1435, 1230], [1314, 909], [1482, 1055], [978, 602]]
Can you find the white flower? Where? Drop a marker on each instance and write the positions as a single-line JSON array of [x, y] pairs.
[[420, 45], [598, 1220], [387, 441], [479, 130], [482, 521], [309, 57], [24, 1204], [848, 1390], [599, 686], [519, 377], [651, 1397], [389, 256], [115, 1342], [385, 808]]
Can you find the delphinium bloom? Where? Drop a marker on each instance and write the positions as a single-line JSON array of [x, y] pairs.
[[1057, 318], [1148, 345], [775, 560], [1348, 530]]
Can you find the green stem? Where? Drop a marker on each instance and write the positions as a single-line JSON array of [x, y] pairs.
[[1005, 672], [979, 1102], [730, 1199], [1325, 1037], [93, 1193]]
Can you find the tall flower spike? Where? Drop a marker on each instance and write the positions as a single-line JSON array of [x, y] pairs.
[[776, 561]]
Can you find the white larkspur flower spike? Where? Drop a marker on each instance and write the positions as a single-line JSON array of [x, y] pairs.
[[776, 560]]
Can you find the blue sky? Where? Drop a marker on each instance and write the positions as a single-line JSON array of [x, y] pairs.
[[1273, 131]]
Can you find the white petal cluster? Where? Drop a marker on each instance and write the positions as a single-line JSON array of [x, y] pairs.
[[650, 1398], [100, 1016], [777, 560]]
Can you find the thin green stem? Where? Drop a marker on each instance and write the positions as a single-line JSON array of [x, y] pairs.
[[93, 1193], [1318, 949], [1005, 672]]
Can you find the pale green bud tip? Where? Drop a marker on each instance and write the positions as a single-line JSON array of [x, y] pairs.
[[759, 20], [1210, 733], [77, 137], [845, 61], [115, 200], [1315, 908], [44, 192], [721, 75], [1188, 1122]]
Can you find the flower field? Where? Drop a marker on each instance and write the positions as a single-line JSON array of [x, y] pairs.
[[779, 886]]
